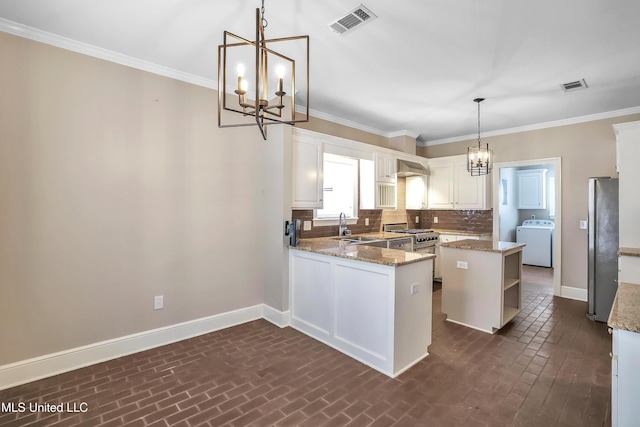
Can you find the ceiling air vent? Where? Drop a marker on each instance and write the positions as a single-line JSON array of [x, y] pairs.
[[577, 85], [352, 20]]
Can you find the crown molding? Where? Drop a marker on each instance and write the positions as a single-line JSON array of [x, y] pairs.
[[538, 126], [41, 36], [344, 122]]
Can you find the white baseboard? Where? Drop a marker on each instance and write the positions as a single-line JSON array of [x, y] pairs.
[[64, 361], [278, 318], [579, 294]]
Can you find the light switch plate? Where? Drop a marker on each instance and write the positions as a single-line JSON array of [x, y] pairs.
[[583, 225], [462, 264], [307, 225]]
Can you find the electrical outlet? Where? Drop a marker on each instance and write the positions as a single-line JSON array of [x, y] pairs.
[[417, 219], [435, 219], [306, 226], [462, 264], [366, 221], [583, 225], [415, 288], [158, 302]]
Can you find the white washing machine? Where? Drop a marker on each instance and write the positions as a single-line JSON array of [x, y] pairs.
[[537, 234]]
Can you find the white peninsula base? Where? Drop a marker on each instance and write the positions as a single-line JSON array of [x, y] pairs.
[[377, 314]]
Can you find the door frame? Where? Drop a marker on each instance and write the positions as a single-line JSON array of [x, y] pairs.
[[556, 162]]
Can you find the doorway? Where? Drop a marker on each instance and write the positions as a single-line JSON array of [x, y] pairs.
[[503, 185]]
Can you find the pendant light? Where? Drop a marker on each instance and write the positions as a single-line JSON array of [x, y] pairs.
[[480, 158], [266, 106]]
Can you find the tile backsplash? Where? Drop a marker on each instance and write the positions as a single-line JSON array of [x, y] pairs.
[[469, 220], [463, 220]]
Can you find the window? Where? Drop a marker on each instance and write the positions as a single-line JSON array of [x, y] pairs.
[[340, 193]]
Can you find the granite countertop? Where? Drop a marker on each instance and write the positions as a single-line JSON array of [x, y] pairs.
[[483, 245], [629, 252], [334, 247], [625, 312], [462, 232]]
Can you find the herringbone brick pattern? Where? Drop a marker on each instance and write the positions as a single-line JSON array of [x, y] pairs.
[[549, 367]]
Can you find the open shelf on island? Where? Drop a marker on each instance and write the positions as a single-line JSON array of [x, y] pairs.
[[509, 282]]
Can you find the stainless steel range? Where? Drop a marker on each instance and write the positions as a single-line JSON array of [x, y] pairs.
[[423, 240]]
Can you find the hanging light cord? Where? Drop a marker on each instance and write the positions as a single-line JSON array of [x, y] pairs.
[[479, 100], [264, 21]]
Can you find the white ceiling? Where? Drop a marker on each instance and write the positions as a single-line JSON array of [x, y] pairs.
[[416, 68]]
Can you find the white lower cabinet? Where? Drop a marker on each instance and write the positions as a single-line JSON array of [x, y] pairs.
[[625, 378], [377, 314]]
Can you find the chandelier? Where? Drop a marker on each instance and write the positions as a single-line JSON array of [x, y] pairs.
[[480, 158], [257, 94]]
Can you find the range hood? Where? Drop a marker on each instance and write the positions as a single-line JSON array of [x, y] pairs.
[[407, 168]]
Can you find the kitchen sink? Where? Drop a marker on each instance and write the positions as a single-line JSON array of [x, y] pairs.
[[357, 239], [365, 241]]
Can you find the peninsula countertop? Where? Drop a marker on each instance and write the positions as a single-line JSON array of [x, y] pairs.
[[629, 252], [462, 232], [625, 312], [483, 245], [333, 246]]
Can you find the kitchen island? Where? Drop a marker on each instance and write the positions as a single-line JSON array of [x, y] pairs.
[[481, 282], [371, 303]]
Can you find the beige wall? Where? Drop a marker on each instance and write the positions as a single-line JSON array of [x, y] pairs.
[[117, 185], [587, 149]]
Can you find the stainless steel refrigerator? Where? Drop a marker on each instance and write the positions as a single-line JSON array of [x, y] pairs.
[[603, 246]]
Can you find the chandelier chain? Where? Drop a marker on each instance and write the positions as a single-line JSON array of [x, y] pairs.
[[264, 21]]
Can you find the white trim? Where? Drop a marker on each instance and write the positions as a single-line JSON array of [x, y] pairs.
[[48, 365], [557, 232], [579, 294], [472, 326], [279, 318], [98, 52], [545, 125], [344, 122]]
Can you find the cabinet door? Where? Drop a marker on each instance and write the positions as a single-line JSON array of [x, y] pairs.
[[417, 192], [469, 191], [385, 168], [307, 174], [441, 185], [532, 189]]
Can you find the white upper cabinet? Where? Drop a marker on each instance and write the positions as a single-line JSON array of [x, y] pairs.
[[628, 146], [385, 168], [307, 173], [451, 186], [441, 183], [469, 192], [532, 189], [385, 185], [417, 192]]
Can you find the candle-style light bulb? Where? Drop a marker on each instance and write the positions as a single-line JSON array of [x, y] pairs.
[[241, 82], [280, 73]]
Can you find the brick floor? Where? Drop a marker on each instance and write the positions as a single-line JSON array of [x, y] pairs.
[[550, 366]]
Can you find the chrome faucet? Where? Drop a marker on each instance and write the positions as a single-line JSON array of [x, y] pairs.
[[343, 230]]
